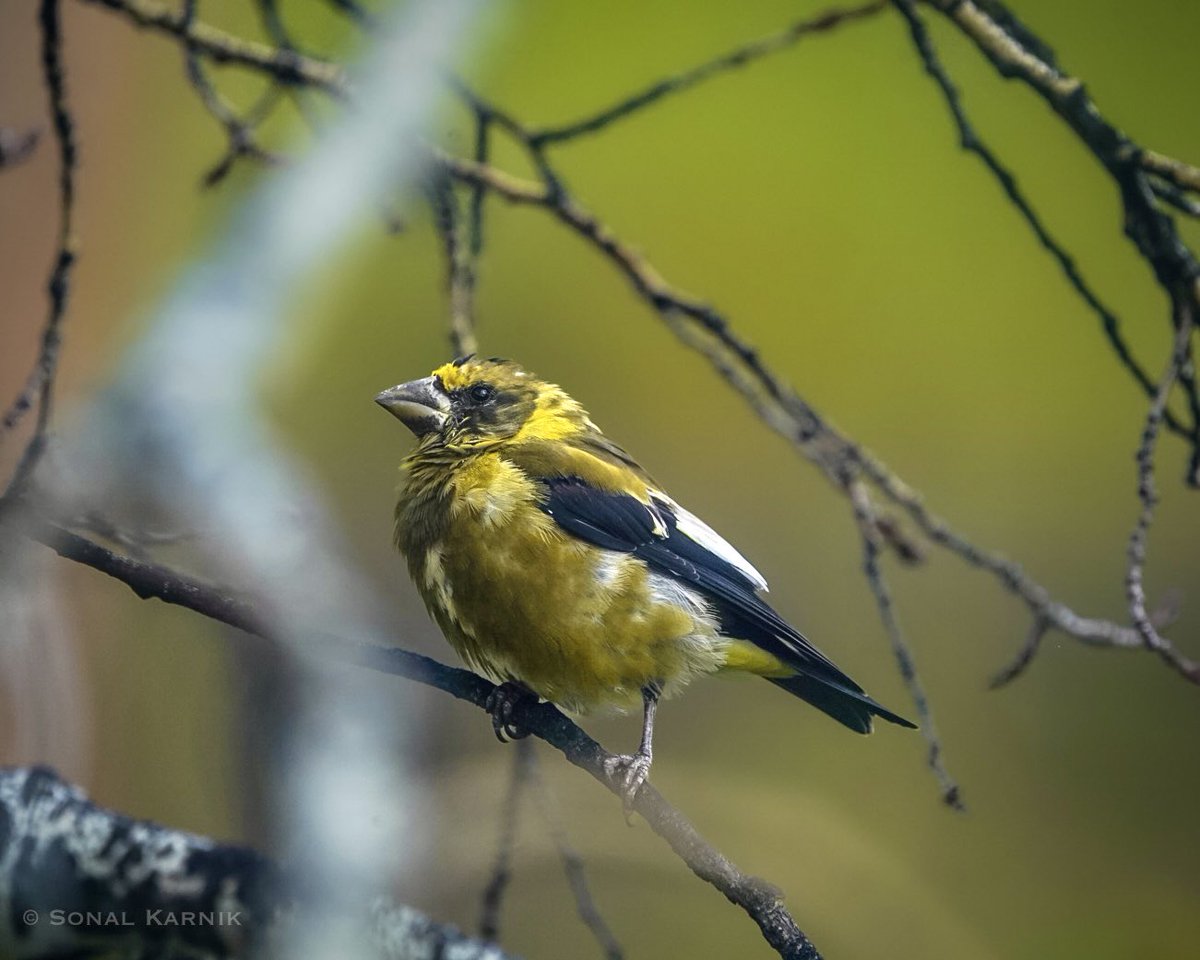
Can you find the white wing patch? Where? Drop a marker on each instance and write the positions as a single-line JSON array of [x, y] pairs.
[[696, 529]]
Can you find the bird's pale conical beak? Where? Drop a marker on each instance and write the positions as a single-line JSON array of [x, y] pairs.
[[419, 404]]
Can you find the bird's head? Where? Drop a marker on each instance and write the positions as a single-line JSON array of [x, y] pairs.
[[472, 402]]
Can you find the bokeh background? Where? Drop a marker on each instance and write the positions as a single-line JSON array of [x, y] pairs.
[[819, 198]]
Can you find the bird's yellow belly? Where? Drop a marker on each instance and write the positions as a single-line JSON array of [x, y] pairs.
[[582, 626]]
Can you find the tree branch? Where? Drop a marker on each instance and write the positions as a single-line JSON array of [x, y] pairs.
[[79, 880], [39, 387], [758, 899], [1148, 494], [971, 142], [1017, 53], [738, 57], [868, 524]]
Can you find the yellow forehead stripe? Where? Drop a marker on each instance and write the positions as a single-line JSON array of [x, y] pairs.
[[455, 378]]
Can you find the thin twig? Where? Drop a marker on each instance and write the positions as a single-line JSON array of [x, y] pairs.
[[286, 66], [1148, 494], [1024, 657], [456, 248], [510, 811], [758, 899], [865, 514], [41, 382], [738, 57], [356, 11], [573, 866], [1176, 197], [238, 132], [1182, 175]]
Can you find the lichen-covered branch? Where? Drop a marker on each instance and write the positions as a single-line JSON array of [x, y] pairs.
[[1148, 493], [79, 880]]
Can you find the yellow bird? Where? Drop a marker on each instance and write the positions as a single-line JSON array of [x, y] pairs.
[[554, 564]]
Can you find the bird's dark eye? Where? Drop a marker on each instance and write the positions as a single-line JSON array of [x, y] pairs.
[[481, 392]]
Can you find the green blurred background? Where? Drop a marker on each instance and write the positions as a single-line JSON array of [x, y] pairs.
[[819, 198]]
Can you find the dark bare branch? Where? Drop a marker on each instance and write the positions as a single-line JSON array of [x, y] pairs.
[[1018, 54], [39, 388], [972, 143]]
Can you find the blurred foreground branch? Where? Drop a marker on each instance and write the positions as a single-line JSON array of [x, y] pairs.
[[760, 901], [78, 880]]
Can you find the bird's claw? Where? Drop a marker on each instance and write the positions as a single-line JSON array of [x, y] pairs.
[[628, 772], [501, 703]]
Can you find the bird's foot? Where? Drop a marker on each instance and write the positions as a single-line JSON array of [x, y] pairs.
[[628, 772], [501, 703]]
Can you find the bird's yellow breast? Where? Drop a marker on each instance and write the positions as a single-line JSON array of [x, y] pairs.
[[520, 598]]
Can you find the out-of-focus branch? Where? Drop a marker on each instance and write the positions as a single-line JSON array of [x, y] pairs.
[[868, 525], [573, 866], [80, 880], [1180, 174], [460, 262], [759, 900], [285, 65], [510, 814], [527, 779], [1024, 657], [239, 132], [39, 388]]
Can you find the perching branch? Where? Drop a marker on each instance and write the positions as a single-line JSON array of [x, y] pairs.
[[79, 880], [759, 900]]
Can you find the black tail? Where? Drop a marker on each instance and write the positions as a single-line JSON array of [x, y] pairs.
[[850, 707]]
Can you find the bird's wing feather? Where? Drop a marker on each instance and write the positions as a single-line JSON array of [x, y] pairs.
[[654, 532]]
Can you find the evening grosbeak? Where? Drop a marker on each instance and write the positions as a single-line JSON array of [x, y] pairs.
[[553, 563]]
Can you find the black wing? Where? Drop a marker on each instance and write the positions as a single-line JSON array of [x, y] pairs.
[[621, 522]]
